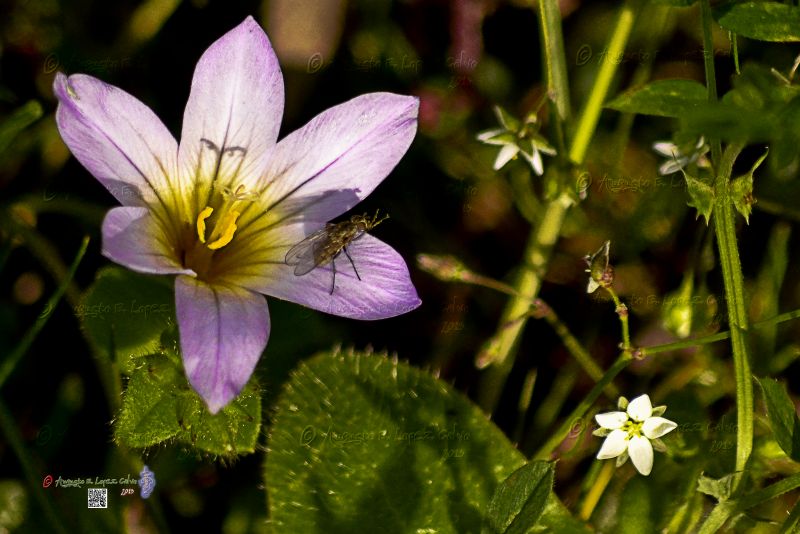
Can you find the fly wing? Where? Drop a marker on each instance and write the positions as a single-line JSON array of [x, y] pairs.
[[304, 256]]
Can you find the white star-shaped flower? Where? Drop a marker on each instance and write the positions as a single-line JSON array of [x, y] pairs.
[[629, 433], [517, 137], [677, 160]]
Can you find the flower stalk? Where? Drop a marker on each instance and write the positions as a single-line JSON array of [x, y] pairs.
[[622, 313], [725, 229], [608, 67]]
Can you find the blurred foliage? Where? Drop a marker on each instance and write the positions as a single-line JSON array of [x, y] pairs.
[[461, 58]]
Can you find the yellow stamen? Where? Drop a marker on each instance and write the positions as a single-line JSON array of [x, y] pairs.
[[228, 222], [201, 223]]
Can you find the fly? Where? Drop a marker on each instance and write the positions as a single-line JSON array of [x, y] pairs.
[[326, 244]]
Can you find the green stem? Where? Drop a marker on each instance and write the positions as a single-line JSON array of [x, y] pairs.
[[553, 49], [725, 229], [524, 404], [608, 67], [577, 414], [596, 491], [735, 51], [724, 510], [31, 473], [22, 347], [687, 343], [499, 350], [708, 60], [622, 312]]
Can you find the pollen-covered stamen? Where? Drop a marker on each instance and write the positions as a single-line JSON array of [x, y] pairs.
[[228, 225], [224, 224], [201, 223], [633, 428]]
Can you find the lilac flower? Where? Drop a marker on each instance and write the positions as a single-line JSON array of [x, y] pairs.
[[221, 209]]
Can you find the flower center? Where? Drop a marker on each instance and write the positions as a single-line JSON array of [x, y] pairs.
[[633, 428], [215, 228], [224, 223]]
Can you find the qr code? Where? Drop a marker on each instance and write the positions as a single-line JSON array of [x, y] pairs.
[[98, 497]]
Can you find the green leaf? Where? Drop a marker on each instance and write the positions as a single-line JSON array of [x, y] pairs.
[[782, 417], [741, 190], [360, 442], [519, 500], [760, 107], [124, 313], [665, 98], [233, 431], [20, 119], [727, 122], [556, 518], [763, 21], [719, 488], [150, 402], [159, 404], [701, 196]]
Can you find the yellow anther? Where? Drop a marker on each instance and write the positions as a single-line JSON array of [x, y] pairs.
[[201, 223], [229, 225]]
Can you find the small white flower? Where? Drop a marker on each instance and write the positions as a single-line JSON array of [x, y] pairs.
[[506, 154], [629, 433], [517, 137], [677, 160], [538, 147]]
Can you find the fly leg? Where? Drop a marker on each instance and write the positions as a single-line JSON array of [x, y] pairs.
[[351, 262], [333, 280]]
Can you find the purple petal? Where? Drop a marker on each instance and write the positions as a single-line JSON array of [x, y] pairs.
[[235, 106], [133, 238], [117, 138], [223, 332], [385, 289], [340, 156]]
